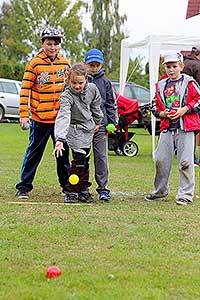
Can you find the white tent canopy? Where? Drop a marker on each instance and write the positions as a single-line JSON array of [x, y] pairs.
[[154, 44]]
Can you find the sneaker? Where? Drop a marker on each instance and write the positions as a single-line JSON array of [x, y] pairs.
[[70, 197], [152, 197], [22, 195], [85, 196], [182, 201], [63, 192], [104, 196]]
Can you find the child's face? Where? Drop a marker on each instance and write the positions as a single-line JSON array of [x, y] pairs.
[[50, 47], [173, 69], [77, 82], [93, 67]]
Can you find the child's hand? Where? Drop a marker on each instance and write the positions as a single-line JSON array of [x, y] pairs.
[[97, 128], [173, 114], [182, 111], [164, 113], [58, 150], [177, 112], [23, 122]]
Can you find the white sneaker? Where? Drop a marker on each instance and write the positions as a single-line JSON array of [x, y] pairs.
[[182, 201]]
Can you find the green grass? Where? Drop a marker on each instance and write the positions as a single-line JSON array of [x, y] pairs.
[[123, 250]]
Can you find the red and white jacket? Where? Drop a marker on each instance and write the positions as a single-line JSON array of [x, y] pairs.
[[189, 96]]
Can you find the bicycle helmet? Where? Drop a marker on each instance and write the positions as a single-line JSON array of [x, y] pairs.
[[51, 32]]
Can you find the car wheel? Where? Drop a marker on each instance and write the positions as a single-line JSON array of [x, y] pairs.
[[118, 151], [130, 149], [1, 113]]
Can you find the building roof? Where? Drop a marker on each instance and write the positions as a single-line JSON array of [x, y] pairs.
[[193, 8]]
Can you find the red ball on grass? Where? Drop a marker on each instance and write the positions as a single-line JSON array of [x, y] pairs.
[[52, 272]]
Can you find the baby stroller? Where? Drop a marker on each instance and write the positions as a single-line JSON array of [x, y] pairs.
[[119, 141]]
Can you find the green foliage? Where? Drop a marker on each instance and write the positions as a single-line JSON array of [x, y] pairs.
[[72, 26], [11, 71], [161, 69], [6, 71], [135, 72], [107, 31], [22, 22]]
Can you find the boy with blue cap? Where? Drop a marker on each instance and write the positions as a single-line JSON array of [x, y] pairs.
[[94, 59]]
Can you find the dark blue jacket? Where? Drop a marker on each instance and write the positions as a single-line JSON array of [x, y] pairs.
[[108, 106]]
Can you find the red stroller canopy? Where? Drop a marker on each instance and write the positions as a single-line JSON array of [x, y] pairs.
[[128, 108]]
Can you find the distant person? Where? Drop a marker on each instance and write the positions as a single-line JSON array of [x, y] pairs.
[[192, 63], [42, 85], [94, 60], [176, 103], [192, 68], [78, 119]]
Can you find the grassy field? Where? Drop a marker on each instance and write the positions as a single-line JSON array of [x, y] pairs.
[[123, 250]]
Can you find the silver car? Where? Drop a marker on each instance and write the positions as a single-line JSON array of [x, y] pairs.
[[9, 98], [142, 94]]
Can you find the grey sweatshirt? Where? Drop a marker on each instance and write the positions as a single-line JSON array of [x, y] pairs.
[[78, 116]]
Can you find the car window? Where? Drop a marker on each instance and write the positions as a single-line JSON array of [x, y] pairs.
[[1, 87], [8, 87], [128, 91], [143, 95], [115, 87]]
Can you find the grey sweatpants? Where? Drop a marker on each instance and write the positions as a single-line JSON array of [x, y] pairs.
[[184, 143], [100, 149]]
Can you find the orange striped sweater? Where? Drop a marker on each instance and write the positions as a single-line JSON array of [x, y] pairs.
[[42, 85]]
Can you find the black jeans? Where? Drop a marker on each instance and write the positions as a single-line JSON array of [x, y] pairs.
[[39, 136], [80, 167]]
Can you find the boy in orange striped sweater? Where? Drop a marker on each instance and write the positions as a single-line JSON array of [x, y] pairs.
[[42, 84]]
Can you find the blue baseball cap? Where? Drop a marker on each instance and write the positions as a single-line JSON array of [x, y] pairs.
[[94, 55]]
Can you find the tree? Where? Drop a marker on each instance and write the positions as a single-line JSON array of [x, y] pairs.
[[136, 73], [21, 23], [107, 31]]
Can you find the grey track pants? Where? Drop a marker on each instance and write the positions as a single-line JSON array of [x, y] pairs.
[[184, 143], [100, 149]]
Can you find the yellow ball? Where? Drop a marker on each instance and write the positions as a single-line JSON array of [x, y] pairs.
[[73, 179]]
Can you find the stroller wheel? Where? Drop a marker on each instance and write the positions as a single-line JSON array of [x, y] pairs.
[[130, 148], [118, 151]]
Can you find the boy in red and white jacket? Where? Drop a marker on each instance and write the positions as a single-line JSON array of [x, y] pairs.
[[176, 103]]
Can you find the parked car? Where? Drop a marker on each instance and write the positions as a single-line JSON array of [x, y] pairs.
[[142, 94], [9, 98], [134, 91]]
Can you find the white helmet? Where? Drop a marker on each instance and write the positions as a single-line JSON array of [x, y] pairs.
[[51, 32]]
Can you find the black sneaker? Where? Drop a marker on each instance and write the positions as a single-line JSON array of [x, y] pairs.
[[22, 195], [182, 201], [104, 196], [70, 197], [152, 197], [85, 197]]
